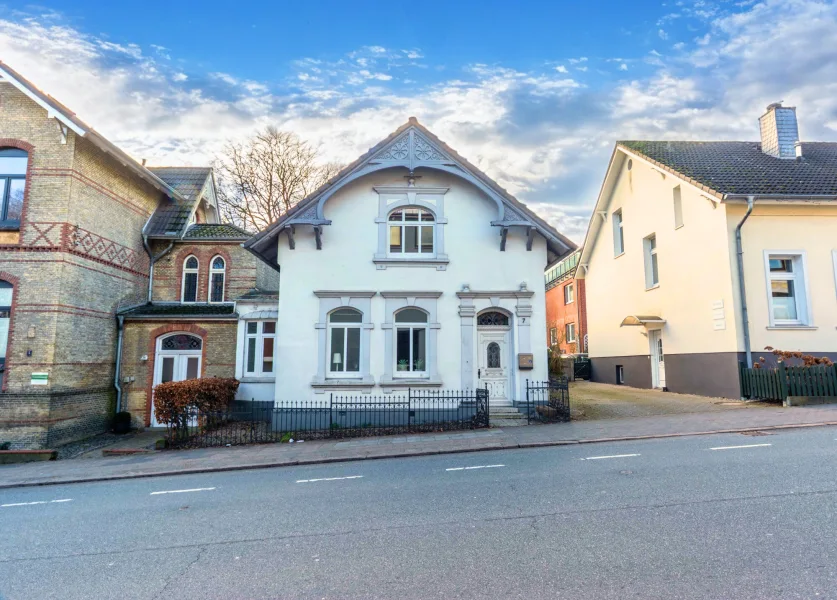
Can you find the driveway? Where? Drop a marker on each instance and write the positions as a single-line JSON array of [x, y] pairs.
[[590, 401]]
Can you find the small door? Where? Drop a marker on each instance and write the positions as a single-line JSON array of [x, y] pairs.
[[174, 367], [658, 364], [493, 364]]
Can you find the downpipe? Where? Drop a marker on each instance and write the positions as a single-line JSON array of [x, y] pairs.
[[120, 329], [153, 259], [751, 200]]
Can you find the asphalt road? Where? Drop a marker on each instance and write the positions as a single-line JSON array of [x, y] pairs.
[[669, 518]]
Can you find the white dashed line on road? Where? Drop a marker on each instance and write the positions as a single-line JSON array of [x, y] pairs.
[[737, 447], [38, 502], [329, 479], [182, 491], [611, 456], [475, 467]]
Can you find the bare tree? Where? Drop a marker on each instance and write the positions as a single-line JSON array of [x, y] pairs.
[[261, 178]]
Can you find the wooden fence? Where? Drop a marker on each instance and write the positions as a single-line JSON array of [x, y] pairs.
[[781, 382]]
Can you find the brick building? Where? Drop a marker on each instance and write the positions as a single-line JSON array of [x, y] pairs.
[[79, 223], [566, 307]]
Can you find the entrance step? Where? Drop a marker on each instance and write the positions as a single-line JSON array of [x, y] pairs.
[[506, 416]]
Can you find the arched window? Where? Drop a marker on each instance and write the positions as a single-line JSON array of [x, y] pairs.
[[494, 318], [189, 293], [411, 231], [217, 270], [6, 290], [13, 164], [411, 343], [181, 341], [493, 358], [344, 342]]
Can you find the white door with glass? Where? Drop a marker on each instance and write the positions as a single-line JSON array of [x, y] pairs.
[[493, 355], [658, 364], [178, 358]]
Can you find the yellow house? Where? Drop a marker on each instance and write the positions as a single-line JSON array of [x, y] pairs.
[[699, 255]]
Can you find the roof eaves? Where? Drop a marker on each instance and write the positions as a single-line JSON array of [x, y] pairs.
[[701, 186]]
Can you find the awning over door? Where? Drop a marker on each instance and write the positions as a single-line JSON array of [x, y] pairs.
[[645, 320]]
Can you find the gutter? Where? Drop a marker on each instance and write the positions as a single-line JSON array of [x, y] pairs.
[[751, 200], [153, 260]]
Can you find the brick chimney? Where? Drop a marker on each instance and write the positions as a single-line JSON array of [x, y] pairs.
[[779, 132]]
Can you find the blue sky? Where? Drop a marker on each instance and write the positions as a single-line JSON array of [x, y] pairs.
[[535, 93]]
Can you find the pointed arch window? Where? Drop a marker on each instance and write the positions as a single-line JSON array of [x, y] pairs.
[[189, 291], [13, 164], [217, 275], [6, 290]]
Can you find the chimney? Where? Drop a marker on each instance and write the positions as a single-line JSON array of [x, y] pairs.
[[143, 162], [779, 132]]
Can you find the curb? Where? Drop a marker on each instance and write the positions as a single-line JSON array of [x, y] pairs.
[[320, 461]]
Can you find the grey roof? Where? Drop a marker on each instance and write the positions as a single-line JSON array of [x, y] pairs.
[[173, 216], [257, 294], [216, 231], [741, 168], [208, 311]]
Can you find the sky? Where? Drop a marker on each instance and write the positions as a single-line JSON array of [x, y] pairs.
[[535, 93]]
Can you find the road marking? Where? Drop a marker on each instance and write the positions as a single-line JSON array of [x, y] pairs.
[[475, 467], [736, 447], [181, 491], [611, 456], [38, 502], [329, 479]]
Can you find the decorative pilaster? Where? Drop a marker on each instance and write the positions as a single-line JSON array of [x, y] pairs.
[[467, 312]]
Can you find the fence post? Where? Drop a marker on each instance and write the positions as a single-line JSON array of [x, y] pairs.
[[487, 410], [409, 410], [330, 413], [783, 380], [528, 405]]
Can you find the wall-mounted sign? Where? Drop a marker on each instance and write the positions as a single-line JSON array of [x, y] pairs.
[[525, 361], [39, 379]]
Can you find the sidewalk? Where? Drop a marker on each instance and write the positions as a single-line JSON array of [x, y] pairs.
[[174, 462]]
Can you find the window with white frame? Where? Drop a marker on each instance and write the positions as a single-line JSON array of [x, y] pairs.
[[13, 164], [678, 207], [189, 290], [652, 270], [786, 289], [570, 333], [6, 290], [553, 336], [618, 233], [217, 274], [344, 326], [410, 343], [411, 231], [260, 347], [569, 293]]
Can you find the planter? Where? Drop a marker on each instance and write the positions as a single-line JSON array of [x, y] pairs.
[[10, 457]]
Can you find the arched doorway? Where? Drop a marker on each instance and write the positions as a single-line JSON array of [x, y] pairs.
[[493, 328], [177, 357]]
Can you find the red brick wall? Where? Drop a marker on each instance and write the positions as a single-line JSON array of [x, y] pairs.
[[559, 314]]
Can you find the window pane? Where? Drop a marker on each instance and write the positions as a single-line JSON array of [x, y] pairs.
[[15, 206], [252, 327], [395, 239], [345, 315], [493, 358], [4, 335], [218, 263], [426, 216], [395, 215], [192, 367], [191, 263], [784, 302], [217, 288], [411, 239], [652, 242], [402, 350], [5, 294], [427, 239], [781, 265], [251, 355], [267, 355], [655, 276], [13, 165], [418, 350], [190, 287], [353, 349], [411, 214], [269, 327], [411, 315], [336, 357], [168, 369], [2, 194]]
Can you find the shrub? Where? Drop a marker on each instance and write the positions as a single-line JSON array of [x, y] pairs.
[[787, 357], [173, 399], [122, 422]]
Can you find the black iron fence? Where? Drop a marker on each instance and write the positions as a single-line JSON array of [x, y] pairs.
[[548, 401], [246, 422]]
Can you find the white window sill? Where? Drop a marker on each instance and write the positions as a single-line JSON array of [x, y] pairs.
[[620, 254], [799, 327], [258, 379], [436, 262], [653, 287], [389, 384], [364, 384]]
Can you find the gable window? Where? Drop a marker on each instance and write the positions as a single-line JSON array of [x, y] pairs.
[[787, 288], [13, 163], [553, 336], [259, 347], [569, 293], [678, 208], [570, 333], [618, 234], [5, 319], [344, 342], [411, 343], [411, 231], [652, 272], [189, 291], [217, 270]]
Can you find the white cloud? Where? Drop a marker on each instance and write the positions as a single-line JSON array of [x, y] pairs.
[[561, 69], [623, 67]]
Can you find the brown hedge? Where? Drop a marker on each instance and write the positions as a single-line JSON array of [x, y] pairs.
[[172, 399]]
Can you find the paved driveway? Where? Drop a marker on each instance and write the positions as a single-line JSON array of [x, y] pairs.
[[603, 401]]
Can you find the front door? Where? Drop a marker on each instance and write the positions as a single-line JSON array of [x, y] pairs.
[[658, 364], [178, 358], [493, 365]]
